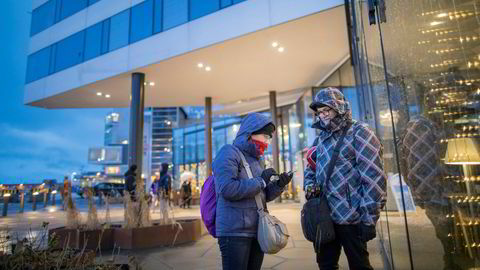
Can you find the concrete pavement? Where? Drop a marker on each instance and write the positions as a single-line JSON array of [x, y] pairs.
[[203, 254]]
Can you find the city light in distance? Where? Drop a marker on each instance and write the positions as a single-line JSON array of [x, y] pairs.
[[434, 23]]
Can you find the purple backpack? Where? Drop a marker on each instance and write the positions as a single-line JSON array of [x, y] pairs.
[[208, 204]]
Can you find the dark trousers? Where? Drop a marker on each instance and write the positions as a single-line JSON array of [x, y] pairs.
[[348, 237], [240, 253]]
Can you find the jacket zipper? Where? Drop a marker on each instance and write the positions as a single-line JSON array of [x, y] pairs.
[[349, 199]]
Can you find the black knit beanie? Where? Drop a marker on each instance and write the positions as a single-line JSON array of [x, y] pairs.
[[268, 130]]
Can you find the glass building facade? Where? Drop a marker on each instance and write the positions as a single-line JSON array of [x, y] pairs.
[[293, 130], [141, 21], [419, 72]]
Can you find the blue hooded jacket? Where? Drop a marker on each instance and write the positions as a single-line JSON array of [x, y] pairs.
[[236, 208]]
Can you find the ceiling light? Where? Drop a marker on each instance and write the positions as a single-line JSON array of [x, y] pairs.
[[274, 44], [281, 49], [207, 68], [152, 83], [434, 23], [107, 96], [99, 93], [200, 65]]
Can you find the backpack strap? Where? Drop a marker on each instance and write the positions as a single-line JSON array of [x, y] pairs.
[[336, 153], [258, 200]]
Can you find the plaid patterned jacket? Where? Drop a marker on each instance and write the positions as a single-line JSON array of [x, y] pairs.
[[357, 188], [420, 161]]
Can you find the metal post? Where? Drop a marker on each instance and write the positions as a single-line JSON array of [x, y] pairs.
[[6, 199], [275, 148], [135, 142], [54, 192], [34, 198], [208, 135], [45, 199], [22, 201]]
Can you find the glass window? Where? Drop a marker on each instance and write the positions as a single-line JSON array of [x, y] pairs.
[[91, 2], [69, 51], [43, 17], [225, 3], [37, 66], [53, 52], [119, 25], [105, 35], [175, 12], [237, 1], [190, 148], [70, 7], [93, 41], [199, 8], [201, 145], [350, 94], [218, 140], [158, 16], [142, 21]]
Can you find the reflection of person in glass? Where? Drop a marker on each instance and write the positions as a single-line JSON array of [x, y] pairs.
[[423, 172]]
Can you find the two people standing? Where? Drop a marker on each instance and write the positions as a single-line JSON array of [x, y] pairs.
[[356, 190]]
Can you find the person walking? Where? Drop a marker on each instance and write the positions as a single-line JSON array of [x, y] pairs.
[[130, 181], [356, 190], [236, 213], [187, 193]]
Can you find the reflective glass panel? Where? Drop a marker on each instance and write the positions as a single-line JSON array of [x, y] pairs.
[[43, 17], [199, 8], [119, 26], [69, 51], [175, 12], [70, 7], [141, 21], [37, 66], [93, 41]]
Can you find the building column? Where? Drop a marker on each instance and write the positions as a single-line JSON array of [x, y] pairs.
[[135, 141], [275, 147], [208, 135]]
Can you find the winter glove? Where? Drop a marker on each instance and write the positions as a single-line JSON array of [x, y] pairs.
[[267, 174], [367, 232], [284, 179]]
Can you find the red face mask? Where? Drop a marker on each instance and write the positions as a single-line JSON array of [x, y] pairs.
[[260, 146]]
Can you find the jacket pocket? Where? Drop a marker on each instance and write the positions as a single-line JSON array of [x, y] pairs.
[[250, 219]]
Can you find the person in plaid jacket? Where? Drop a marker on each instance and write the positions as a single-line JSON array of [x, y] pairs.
[[356, 191]]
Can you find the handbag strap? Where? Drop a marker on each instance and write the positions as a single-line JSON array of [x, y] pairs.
[[258, 200], [336, 153]]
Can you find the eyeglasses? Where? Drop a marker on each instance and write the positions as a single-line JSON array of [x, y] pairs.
[[325, 111], [267, 138]]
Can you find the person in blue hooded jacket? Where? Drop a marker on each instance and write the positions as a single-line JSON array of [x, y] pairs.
[[237, 216]]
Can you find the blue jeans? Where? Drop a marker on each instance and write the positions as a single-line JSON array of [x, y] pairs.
[[240, 253]]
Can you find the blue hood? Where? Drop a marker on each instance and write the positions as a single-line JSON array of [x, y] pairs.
[[251, 123]]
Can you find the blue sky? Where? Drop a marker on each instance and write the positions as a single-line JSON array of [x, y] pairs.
[[37, 143]]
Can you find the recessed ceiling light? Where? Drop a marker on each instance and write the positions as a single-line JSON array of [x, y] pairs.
[[207, 68], [200, 65], [152, 83], [99, 93], [107, 96], [281, 49], [274, 44]]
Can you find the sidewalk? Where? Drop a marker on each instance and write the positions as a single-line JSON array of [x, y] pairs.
[[203, 254]]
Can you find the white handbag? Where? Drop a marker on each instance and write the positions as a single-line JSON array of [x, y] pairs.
[[272, 234]]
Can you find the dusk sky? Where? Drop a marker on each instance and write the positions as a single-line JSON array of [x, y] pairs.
[[36, 143]]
